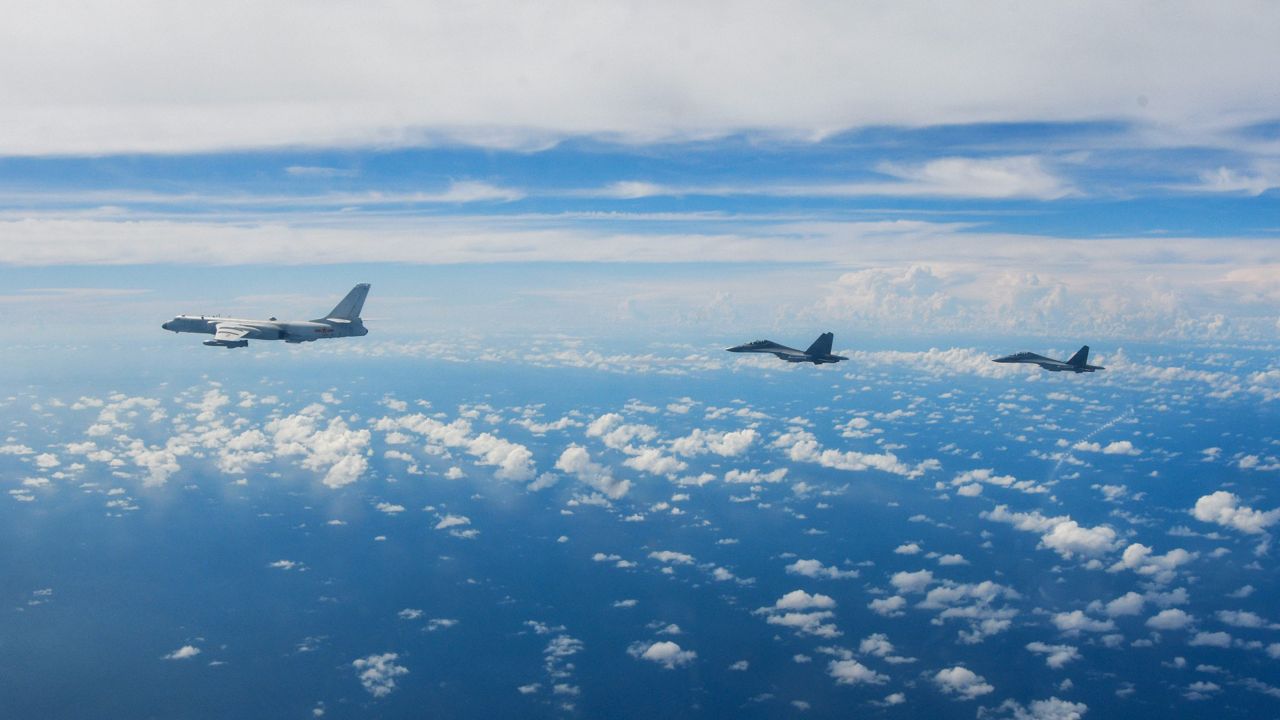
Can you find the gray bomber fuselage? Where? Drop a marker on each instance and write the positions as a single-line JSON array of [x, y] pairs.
[[228, 332], [294, 331]]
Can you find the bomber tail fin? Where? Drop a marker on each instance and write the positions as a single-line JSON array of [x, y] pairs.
[[351, 305], [821, 346], [1081, 358]]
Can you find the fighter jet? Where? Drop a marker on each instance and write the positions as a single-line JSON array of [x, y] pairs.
[[342, 321], [818, 353], [1079, 363]]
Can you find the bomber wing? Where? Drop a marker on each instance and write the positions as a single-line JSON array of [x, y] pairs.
[[229, 335]]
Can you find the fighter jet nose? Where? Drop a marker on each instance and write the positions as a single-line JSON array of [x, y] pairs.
[[1005, 359]]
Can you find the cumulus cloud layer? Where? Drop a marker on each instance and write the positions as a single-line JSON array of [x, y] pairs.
[[332, 448]]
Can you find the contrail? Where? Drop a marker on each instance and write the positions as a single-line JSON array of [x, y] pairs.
[[1063, 457]]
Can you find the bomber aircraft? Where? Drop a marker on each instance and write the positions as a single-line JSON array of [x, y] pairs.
[[818, 353], [342, 321], [1079, 363]]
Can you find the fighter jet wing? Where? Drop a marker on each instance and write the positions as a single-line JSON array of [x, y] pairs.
[[231, 333]]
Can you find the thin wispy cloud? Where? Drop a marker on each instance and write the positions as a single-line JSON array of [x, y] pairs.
[[953, 177]]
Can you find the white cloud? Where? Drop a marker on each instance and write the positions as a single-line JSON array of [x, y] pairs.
[[452, 521], [807, 623], [889, 607], [724, 444], [1056, 656], [392, 84], [801, 600], [1068, 538], [989, 477], [878, 645], [616, 433], [186, 652], [972, 603], [1061, 534], [1244, 619], [1075, 622], [576, 461], [1140, 559], [962, 682], [159, 462], [1119, 447], [1128, 604], [804, 613], [241, 452], [912, 582], [378, 673], [1264, 175], [803, 446], [1211, 639], [653, 461], [754, 476], [513, 461], [672, 557], [44, 461], [1128, 287], [335, 449], [815, 569], [999, 177], [1170, 619], [666, 653], [1051, 709], [1224, 508], [852, 672]]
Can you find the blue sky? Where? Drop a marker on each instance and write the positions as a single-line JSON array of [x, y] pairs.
[[1072, 169], [932, 229]]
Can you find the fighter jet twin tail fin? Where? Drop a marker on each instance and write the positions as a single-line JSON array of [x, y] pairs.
[[821, 346], [1081, 358]]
